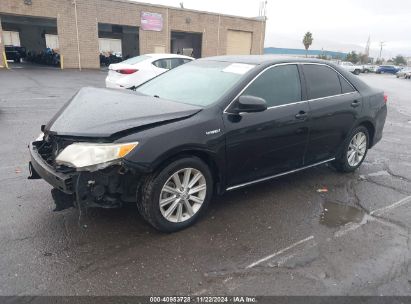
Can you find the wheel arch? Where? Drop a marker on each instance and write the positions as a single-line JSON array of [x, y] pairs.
[[371, 131], [208, 157]]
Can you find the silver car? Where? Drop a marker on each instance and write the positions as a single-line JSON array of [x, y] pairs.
[[405, 72]]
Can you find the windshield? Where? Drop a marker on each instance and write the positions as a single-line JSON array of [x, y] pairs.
[[199, 83], [135, 60]]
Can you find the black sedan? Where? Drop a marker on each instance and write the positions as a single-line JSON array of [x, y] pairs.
[[210, 126]]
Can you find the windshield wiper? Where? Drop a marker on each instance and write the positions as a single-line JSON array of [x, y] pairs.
[[156, 96]]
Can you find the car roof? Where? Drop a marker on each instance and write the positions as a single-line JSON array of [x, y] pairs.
[[262, 59], [166, 55], [266, 60]]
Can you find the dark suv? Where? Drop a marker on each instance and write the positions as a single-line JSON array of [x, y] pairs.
[[15, 53], [209, 126]]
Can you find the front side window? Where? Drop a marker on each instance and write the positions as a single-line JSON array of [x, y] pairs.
[[277, 86], [322, 81]]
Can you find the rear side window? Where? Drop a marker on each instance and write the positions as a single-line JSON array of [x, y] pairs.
[[322, 81], [169, 63], [346, 87], [175, 62], [163, 63], [278, 85]]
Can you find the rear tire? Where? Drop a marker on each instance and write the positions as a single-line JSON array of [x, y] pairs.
[[357, 72], [170, 199], [354, 150]]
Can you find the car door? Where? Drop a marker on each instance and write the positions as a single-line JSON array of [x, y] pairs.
[[259, 145], [334, 108]]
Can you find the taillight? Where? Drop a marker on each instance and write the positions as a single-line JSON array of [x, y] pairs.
[[126, 71], [385, 98]]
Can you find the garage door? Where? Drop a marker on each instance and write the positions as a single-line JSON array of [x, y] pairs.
[[238, 42], [108, 45], [52, 41]]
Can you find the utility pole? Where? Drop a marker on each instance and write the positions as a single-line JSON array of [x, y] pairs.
[[381, 45], [367, 47], [262, 15]]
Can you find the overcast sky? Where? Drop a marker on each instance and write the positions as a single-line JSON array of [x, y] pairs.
[[337, 25]]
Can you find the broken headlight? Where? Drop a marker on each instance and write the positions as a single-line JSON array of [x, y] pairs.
[[83, 155]]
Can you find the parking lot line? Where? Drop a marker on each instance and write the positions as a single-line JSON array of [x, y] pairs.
[[399, 203], [280, 251], [346, 229]]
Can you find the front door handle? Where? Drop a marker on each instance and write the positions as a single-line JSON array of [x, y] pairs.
[[355, 103], [301, 115]]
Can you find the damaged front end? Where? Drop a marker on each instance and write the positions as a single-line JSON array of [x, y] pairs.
[[106, 185]]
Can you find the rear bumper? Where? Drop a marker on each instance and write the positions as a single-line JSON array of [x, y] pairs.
[[112, 83], [38, 167], [379, 125]]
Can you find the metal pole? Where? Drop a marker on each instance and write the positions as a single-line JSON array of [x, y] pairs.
[[168, 41], [218, 35], [78, 40], [5, 60]]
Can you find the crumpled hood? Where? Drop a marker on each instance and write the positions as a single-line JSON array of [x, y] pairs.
[[96, 112]]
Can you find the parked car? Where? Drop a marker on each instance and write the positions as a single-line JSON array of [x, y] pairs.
[[47, 56], [390, 69], [15, 53], [368, 68], [404, 72], [350, 67], [106, 60], [210, 126], [134, 71]]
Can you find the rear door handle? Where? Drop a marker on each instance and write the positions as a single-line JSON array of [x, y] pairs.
[[355, 103], [301, 115]]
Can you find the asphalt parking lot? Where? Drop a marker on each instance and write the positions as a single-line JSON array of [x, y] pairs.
[[283, 237]]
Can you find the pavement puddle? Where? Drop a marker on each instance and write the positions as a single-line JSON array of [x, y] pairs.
[[336, 215]]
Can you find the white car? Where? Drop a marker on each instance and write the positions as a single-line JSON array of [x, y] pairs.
[[134, 71], [350, 67]]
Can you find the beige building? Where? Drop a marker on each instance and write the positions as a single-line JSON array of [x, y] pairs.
[[82, 29]]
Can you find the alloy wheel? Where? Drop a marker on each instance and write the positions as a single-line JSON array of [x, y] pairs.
[[356, 149], [182, 195]]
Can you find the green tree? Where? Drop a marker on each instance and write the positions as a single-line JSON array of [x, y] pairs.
[[399, 60], [307, 41], [352, 57]]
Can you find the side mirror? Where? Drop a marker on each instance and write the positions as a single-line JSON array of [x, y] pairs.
[[249, 104]]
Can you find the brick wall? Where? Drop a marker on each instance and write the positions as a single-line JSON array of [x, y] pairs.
[[90, 12]]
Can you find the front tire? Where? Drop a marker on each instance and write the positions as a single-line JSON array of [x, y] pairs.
[[175, 196], [354, 150]]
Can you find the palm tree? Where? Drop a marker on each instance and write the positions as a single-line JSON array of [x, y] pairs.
[[307, 41]]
